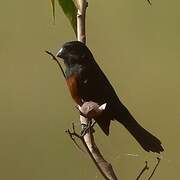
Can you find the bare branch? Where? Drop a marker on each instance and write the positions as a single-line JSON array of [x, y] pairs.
[[90, 110], [143, 170], [149, 2], [55, 59], [71, 135], [81, 20], [158, 161], [104, 167]]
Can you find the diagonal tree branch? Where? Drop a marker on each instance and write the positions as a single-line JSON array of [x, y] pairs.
[[91, 109], [103, 166]]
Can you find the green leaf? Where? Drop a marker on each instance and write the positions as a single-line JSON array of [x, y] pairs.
[[53, 7], [70, 11]]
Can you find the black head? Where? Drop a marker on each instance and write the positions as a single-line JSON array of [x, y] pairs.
[[74, 52]]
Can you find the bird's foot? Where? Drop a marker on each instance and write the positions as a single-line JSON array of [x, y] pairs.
[[87, 127]]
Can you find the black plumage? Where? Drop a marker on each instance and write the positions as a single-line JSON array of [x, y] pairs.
[[87, 82]]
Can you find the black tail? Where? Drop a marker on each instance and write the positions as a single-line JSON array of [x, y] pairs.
[[148, 141]]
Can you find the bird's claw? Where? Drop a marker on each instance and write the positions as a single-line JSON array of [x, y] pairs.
[[87, 127]]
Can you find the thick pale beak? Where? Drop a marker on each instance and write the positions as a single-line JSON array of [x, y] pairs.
[[61, 53]]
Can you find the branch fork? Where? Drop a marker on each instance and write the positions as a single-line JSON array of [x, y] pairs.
[[90, 110]]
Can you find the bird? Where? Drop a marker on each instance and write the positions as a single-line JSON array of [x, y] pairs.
[[87, 82]]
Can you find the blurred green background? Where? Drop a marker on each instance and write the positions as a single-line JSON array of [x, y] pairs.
[[136, 45]]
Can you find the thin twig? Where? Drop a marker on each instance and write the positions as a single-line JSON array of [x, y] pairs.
[[55, 59], [158, 161], [73, 133], [149, 2], [143, 170]]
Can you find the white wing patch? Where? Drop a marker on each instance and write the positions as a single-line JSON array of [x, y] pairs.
[[85, 81]]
